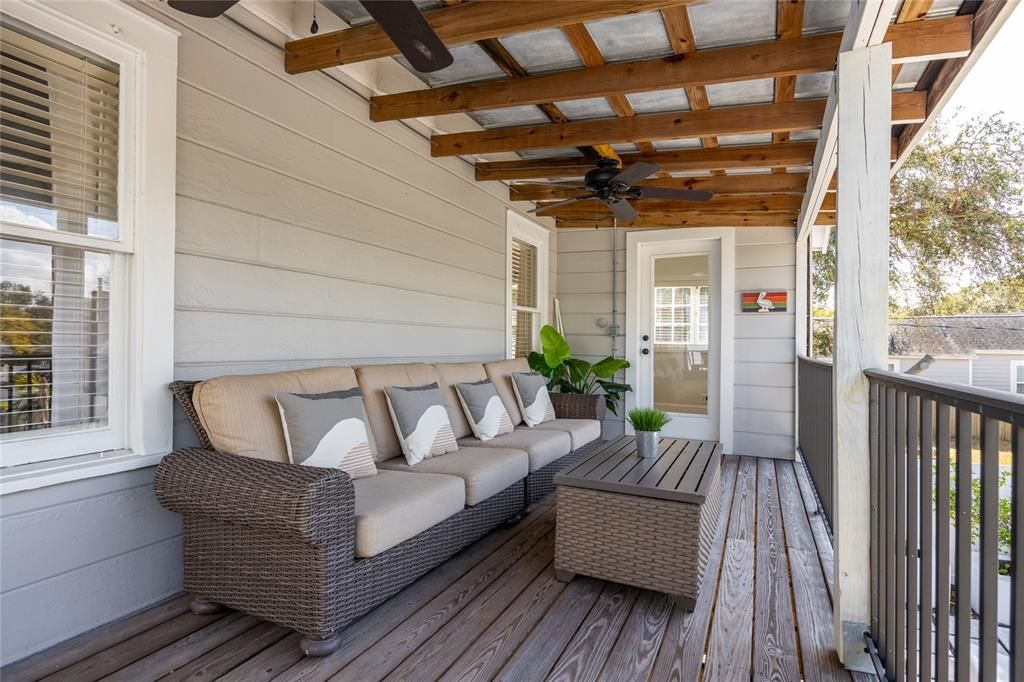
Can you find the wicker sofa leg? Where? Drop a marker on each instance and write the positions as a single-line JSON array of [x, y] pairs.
[[312, 646], [204, 607]]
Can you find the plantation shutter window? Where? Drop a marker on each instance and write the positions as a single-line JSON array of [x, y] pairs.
[[681, 315], [525, 309], [59, 125]]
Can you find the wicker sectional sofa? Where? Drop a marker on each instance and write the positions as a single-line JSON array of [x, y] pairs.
[[311, 549]]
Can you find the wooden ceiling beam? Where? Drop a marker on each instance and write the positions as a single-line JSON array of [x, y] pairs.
[[785, 183], [771, 203], [752, 118], [690, 219], [456, 25], [933, 39], [789, 24], [912, 10]]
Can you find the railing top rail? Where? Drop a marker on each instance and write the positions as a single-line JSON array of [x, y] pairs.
[[997, 404], [814, 361]]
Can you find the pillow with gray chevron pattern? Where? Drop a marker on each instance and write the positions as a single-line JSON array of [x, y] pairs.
[[328, 430], [484, 410], [532, 395], [421, 421]]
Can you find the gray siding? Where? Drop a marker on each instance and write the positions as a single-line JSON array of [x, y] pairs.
[[953, 370], [81, 554], [993, 371], [764, 345], [306, 236]]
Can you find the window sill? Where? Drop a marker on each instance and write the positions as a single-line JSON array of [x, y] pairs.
[[53, 472]]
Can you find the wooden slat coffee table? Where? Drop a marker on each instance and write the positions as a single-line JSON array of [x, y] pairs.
[[642, 522]]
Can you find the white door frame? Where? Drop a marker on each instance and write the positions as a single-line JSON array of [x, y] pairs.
[[641, 246]]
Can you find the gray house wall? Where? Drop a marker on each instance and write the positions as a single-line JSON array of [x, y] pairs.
[[306, 236], [993, 370]]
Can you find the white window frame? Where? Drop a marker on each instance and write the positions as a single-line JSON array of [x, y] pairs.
[[1015, 366], [522, 229], [893, 365], [140, 424], [693, 329]]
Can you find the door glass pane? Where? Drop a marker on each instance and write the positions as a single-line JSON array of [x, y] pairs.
[[681, 333]]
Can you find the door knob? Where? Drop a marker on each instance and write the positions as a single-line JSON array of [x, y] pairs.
[[645, 351]]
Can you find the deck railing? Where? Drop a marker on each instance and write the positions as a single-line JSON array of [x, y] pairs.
[[947, 529], [815, 427]]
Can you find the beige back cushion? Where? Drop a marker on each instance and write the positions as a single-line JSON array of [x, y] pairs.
[[240, 414], [500, 374], [373, 379], [448, 375]]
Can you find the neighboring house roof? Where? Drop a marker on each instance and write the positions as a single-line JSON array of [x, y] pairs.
[[956, 334]]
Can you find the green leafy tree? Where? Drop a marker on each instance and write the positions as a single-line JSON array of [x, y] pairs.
[[957, 209]]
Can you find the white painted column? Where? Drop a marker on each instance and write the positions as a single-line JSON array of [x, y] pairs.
[[864, 78]]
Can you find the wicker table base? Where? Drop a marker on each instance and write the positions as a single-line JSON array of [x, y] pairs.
[[629, 536]]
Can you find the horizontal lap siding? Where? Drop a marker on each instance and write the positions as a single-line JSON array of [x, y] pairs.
[[306, 236], [993, 371], [764, 343]]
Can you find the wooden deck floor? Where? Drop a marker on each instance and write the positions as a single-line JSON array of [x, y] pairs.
[[495, 611]]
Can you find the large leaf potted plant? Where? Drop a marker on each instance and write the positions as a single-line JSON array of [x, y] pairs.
[[579, 389]]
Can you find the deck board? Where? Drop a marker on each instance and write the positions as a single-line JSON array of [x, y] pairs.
[[496, 611]]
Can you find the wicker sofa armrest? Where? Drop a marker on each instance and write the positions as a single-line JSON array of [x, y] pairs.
[[309, 502]]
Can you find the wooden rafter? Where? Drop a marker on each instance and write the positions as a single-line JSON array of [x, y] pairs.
[[912, 10], [690, 219], [925, 40], [790, 24], [786, 183], [456, 25], [754, 118], [680, 36], [771, 203]]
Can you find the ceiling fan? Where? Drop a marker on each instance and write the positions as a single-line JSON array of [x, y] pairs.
[[402, 20], [615, 187]]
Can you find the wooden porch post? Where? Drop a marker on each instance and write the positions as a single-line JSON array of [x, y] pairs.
[[864, 90]]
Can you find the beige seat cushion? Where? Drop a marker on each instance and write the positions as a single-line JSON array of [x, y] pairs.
[[394, 506], [500, 374], [240, 415], [582, 431], [486, 471], [373, 379], [449, 374], [543, 447]]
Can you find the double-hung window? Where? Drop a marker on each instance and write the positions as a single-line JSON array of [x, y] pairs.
[[527, 282], [681, 315], [85, 348], [1017, 377]]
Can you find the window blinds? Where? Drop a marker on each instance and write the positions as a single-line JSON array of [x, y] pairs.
[[524, 274], [58, 127]]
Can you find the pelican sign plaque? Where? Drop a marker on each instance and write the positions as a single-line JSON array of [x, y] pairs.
[[763, 301]]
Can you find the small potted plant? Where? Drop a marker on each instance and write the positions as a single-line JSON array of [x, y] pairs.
[[648, 423]]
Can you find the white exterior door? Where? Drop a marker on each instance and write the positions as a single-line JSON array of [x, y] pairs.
[[679, 323]]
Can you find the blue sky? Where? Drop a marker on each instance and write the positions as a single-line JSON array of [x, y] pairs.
[[993, 84]]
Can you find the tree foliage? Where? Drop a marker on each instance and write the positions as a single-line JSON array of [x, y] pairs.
[[956, 214]]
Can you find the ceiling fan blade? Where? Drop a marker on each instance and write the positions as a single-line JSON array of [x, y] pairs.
[[207, 9], [411, 33], [669, 193], [623, 211], [636, 173], [539, 210]]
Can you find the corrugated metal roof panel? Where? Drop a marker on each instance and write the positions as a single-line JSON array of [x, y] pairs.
[[748, 171], [801, 135], [683, 143], [626, 148], [540, 51], [581, 109], [471, 64], [909, 75], [510, 116], [559, 152], [659, 100], [742, 92], [826, 15], [631, 36], [750, 138], [717, 23]]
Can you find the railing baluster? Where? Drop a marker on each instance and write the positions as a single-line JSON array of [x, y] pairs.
[[989, 545], [883, 517], [1017, 556], [927, 541], [890, 532], [873, 446], [900, 549], [964, 476], [942, 584], [913, 451]]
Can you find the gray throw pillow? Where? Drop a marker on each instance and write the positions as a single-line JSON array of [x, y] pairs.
[[532, 395], [484, 410], [421, 421], [328, 430]]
